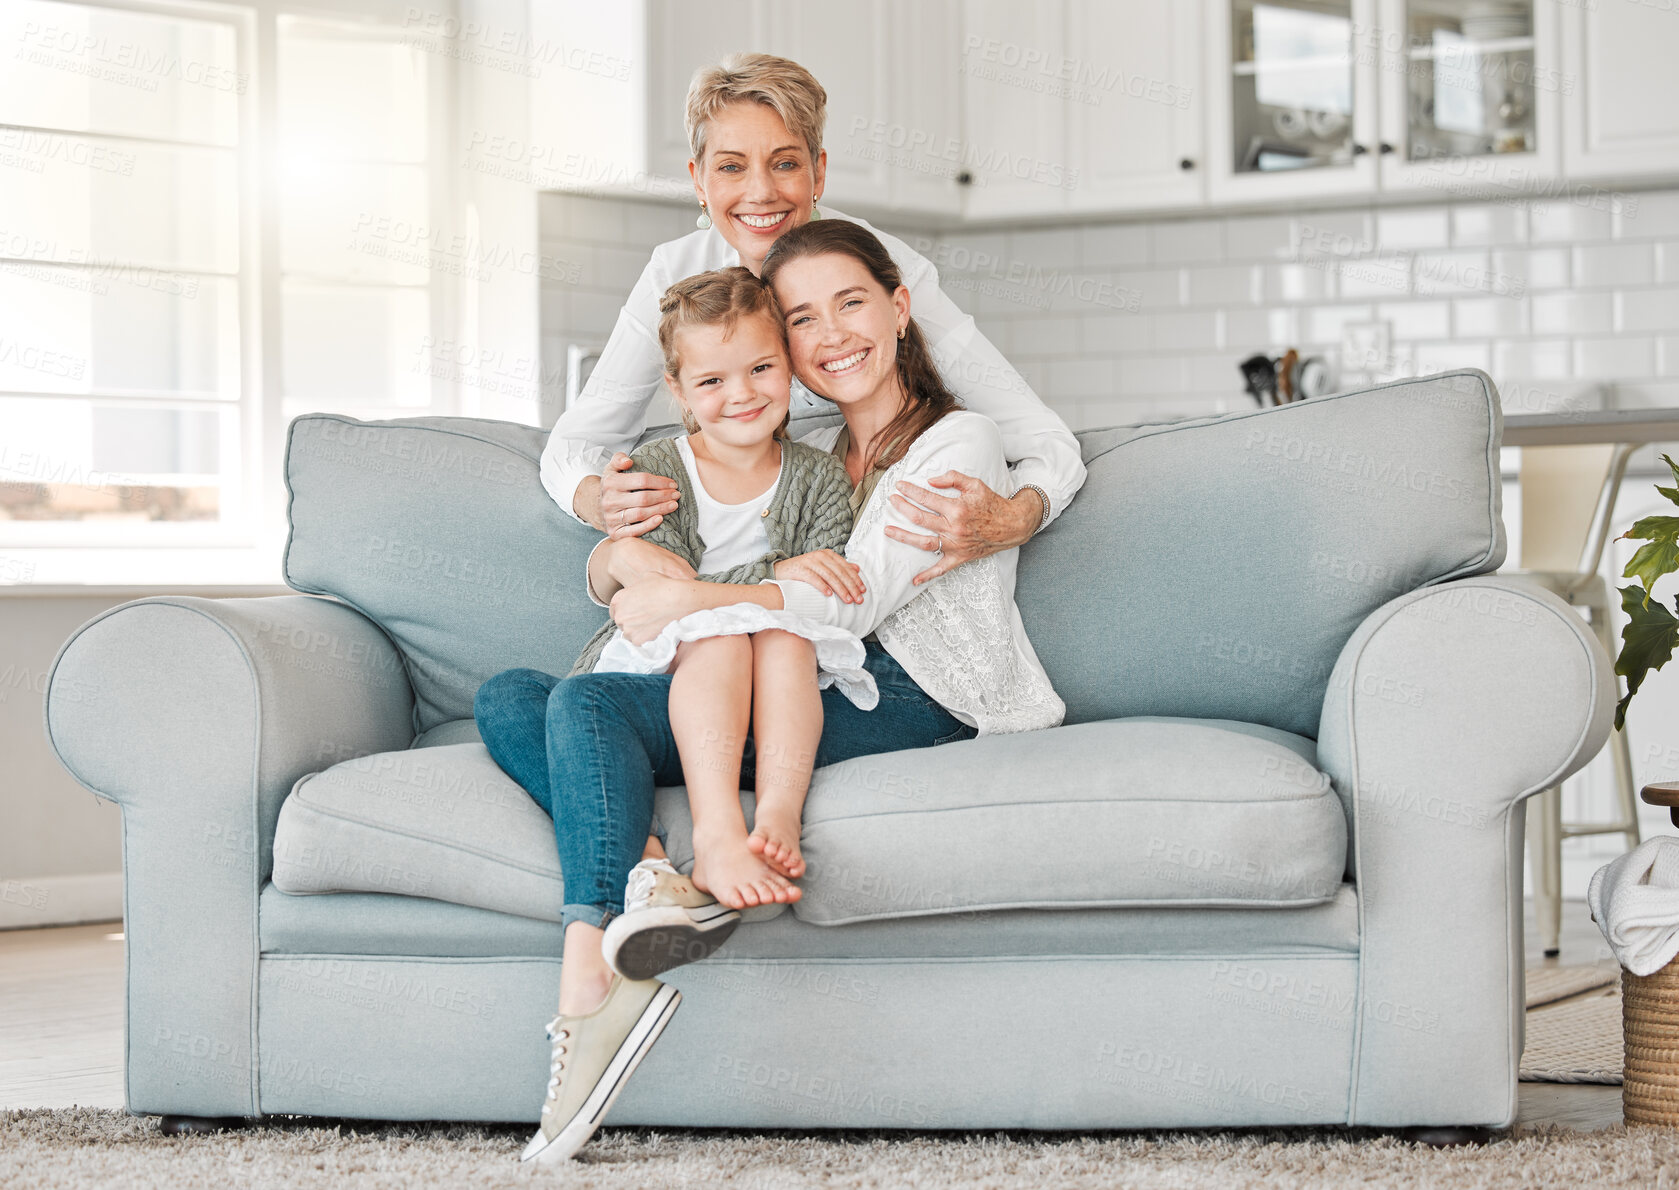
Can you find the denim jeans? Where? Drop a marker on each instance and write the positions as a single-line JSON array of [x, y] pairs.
[[591, 749]]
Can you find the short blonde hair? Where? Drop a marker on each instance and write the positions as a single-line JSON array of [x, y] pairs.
[[719, 298], [780, 84]]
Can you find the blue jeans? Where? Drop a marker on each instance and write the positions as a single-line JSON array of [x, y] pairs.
[[591, 749]]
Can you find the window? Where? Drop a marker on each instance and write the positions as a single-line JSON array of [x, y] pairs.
[[179, 277], [124, 221]]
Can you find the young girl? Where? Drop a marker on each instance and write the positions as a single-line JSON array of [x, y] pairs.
[[749, 498]]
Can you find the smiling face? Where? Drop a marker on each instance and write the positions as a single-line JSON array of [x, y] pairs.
[[733, 383], [842, 328], [757, 179]]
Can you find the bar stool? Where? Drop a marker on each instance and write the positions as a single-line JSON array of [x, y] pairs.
[[1564, 533]]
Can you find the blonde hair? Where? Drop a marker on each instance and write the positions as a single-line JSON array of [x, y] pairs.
[[719, 298], [780, 84]]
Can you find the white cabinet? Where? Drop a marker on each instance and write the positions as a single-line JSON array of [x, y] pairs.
[[924, 108], [1446, 98], [1087, 106], [1291, 100], [1621, 68], [1135, 124], [1014, 134]]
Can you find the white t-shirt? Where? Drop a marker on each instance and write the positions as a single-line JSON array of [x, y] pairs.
[[733, 534]]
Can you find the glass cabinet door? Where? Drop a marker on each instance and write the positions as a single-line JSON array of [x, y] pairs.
[[1292, 89], [1470, 78]]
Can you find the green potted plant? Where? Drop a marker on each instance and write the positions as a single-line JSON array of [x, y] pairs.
[[1651, 631]]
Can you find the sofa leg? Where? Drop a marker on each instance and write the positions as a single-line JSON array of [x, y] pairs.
[[198, 1125], [1445, 1136]]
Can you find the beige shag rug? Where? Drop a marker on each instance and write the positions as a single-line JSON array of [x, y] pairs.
[[1573, 1025], [88, 1148]]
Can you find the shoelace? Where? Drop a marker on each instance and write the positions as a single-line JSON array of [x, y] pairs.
[[639, 888], [556, 1067]]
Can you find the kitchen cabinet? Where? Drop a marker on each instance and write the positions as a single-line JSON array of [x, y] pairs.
[[1471, 93], [1014, 142], [1086, 106], [1291, 98], [992, 110], [1621, 69], [1136, 126]]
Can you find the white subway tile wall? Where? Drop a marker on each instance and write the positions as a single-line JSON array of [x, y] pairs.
[[1544, 291], [1119, 322]]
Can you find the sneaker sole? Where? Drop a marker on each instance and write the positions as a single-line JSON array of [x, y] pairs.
[[589, 1117], [652, 941]]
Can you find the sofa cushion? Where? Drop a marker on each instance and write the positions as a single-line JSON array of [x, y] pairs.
[[1214, 567], [1132, 812], [1142, 811], [440, 531], [443, 822]]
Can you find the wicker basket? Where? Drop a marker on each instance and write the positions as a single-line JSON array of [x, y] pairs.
[[1650, 1020]]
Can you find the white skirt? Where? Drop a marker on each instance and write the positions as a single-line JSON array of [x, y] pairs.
[[839, 654]]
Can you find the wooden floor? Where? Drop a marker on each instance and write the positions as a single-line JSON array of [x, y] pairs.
[[61, 1022]]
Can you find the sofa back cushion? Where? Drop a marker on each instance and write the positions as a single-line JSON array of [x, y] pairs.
[[1213, 568], [1210, 568], [439, 530]]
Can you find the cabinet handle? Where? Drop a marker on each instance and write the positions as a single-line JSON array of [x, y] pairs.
[[1187, 163], [1386, 148], [1360, 150]]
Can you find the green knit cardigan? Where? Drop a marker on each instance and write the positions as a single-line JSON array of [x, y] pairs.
[[811, 510]]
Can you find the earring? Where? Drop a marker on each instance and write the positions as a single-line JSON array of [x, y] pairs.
[[704, 221], [901, 331], [815, 213]]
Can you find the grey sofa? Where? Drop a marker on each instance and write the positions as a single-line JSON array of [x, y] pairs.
[[1269, 872]]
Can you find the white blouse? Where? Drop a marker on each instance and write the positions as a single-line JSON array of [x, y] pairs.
[[959, 636], [612, 410]]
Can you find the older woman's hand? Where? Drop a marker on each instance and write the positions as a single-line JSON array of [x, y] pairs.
[[644, 609], [827, 571], [972, 523], [624, 502]]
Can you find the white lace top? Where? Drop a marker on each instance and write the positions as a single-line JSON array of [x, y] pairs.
[[959, 636]]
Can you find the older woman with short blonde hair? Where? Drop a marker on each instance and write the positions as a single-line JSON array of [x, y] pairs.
[[755, 125]]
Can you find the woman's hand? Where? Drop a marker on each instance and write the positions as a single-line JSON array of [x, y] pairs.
[[631, 560], [624, 502], [972, 523], [827, 571], [643, 610]]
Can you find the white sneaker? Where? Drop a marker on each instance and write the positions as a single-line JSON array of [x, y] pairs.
[[666, 922], [594, 1056]]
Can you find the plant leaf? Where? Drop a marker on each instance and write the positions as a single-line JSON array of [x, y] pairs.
[[1673, 467], [1660, 556], [1647, 643], [1671, 493]]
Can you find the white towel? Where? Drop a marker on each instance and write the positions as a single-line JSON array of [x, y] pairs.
[[839, 654], [1635, 902]]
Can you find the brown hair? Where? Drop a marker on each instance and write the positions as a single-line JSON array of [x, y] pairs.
[[722, 298], [927, 396], [782, 85]]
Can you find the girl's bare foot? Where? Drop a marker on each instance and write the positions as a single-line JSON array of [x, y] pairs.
[[729, 871], [775, 837]]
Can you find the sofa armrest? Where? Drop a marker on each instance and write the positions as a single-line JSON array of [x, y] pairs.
[[1445, 709], [198, 716]]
